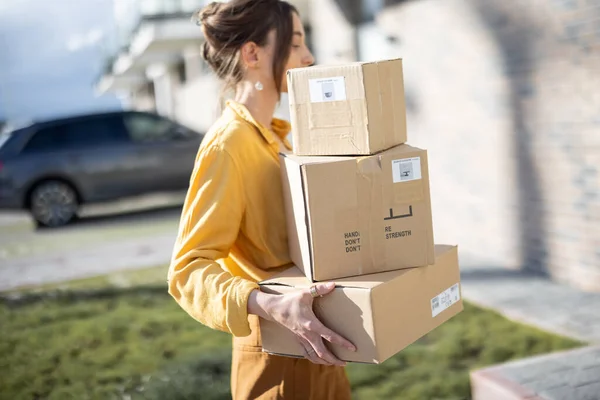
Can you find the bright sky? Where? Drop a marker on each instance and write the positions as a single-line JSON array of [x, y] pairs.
[[51, 52]]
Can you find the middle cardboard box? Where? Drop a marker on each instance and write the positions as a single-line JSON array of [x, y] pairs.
[[350, 216]]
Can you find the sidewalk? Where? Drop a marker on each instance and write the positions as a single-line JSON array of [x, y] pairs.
[[87, 262], [130, 234], [572, 375], [535, 301]]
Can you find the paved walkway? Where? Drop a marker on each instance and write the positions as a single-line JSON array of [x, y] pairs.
[[535, 301], [86, 262], [572, 375], [109, 238]]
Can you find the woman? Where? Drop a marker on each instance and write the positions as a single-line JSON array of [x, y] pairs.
[[232, 232]]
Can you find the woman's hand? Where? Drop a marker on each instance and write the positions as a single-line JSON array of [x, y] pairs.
[[294, 311]]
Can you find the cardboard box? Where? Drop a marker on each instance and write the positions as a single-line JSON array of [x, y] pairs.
[[380, 314], [351, 109], [349, 216]]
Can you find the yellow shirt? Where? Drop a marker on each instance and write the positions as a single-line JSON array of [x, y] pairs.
[[232, 231]]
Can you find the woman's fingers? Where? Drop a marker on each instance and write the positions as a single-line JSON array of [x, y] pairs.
[[310, 353], [323, 352], [295, 311], [322, 289], [335, 338], [317, 327]]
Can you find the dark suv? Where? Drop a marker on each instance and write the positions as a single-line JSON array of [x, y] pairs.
[[51, 168]]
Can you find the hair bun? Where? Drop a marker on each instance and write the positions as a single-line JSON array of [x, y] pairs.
[[200, 16], [227, 26]]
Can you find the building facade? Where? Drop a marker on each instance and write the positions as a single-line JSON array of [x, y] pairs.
[[155, 62]]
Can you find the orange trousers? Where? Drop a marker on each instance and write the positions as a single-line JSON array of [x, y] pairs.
[[258, 375]]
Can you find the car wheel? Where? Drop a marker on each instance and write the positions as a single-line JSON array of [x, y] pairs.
[[53, 203]]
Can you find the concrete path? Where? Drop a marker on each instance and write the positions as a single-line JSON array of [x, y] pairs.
[[105, 240], [535, 301], [571, 375], [135, 253]]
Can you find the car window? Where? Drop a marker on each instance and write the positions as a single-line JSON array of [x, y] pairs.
[[4, 138], [87, 133], [96, 132], [149, 128], [46, 139]]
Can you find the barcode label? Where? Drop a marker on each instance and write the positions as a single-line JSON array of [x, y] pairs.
[[406, 169], [444, 300], [327, 89]]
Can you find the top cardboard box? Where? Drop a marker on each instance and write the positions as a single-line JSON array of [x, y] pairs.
[[351, 109]]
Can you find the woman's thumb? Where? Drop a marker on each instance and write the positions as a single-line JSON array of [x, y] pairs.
[[325, 288]]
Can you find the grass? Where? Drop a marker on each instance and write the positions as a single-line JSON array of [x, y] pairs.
[[136, 343], [437, 366], [95, 345]]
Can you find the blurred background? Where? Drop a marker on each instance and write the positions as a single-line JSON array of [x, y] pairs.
[[103, 104]]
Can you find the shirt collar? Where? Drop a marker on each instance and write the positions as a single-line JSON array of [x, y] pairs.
[[278, 126]]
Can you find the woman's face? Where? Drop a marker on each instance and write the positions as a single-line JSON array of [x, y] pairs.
[[300, 55], [259, 60]]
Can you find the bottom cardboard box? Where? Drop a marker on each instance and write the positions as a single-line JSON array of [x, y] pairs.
[[380, 313]]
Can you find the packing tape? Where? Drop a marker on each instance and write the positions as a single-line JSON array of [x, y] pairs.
[[369, 195]]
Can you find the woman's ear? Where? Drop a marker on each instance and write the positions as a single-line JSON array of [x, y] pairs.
[[250, 54]]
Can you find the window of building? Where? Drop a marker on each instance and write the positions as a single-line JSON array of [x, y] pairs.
[[181, 72]]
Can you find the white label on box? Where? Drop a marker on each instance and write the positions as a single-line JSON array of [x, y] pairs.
[[327, 89], [444, 300], [406, 169]]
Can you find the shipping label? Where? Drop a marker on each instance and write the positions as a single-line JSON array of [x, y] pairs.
[[327, 89], [406, 169], [445, 299]]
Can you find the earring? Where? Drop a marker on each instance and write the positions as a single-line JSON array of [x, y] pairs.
[[259, 86]]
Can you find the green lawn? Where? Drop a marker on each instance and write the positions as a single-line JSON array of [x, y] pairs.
[[89, 342]]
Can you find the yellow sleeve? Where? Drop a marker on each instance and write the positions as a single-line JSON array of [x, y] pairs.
[[209, 226]]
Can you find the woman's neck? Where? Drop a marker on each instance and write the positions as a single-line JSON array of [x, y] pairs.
[[261, 104]]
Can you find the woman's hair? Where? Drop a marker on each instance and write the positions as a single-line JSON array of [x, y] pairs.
[[228, 26]]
